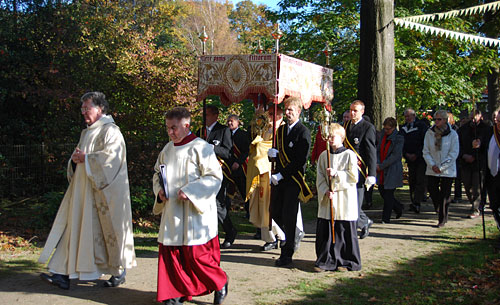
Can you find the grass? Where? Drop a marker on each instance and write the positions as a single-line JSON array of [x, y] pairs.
[[17, 255], [464, 270]]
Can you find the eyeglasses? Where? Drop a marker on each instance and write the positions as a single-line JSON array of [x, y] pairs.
[[85, 109], [438, 119]]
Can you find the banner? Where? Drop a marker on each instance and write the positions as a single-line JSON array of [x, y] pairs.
[[238, 77], [310, 82]]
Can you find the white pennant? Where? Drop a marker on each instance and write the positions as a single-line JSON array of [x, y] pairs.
[[483, 8], [448, 34]]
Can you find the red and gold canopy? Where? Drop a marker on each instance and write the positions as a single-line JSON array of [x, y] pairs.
[[276, 76]]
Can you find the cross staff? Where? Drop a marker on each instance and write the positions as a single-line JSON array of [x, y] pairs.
[[325, 134]]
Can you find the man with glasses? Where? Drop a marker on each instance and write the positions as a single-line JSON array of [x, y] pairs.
[[92, 232], [413, 132]]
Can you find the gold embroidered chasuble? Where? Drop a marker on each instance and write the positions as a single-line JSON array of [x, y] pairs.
[[92, 232]]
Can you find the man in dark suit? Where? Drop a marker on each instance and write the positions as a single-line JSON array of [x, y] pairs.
[[414, 133], [239, 155], [292, 148], [473, 137], [360, 137], [220, 137]]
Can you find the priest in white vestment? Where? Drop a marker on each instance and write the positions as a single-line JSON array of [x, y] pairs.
[[189, 250], [92, 232]]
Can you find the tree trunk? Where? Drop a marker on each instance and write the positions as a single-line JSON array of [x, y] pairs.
[[493, 90], [376, 75]]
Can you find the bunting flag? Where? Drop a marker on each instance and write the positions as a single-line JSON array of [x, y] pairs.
[[479, 9], [413, 23]]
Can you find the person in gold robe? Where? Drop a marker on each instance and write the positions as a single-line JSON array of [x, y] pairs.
[[92, 231], [258, 183]]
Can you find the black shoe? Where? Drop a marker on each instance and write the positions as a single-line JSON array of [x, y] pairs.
[[220, 295], [298, 239], [229, 240], [115, 281], [257, 235], [399, 214], [59, 280], [270, 246], [174, 301], [366, 230], [367, 206], [283, 261], [415, 208]]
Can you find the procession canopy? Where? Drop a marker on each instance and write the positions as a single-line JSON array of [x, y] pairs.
[[275, 76]]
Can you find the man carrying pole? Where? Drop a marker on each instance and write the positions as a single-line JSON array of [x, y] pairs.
[[293, 141]]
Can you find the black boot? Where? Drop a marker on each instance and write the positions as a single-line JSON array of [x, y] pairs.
[[59, 280], [115, 281], [220, 295]]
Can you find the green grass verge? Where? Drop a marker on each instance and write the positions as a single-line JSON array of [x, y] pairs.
[[465, 270]]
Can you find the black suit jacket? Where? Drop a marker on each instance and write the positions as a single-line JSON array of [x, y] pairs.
[[241, 139], [220, 137], [362, 137], [296, 145]]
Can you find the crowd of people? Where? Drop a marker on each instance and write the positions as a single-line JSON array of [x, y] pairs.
[[197, 175]]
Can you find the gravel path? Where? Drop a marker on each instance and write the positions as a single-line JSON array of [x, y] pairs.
[[251, 271]]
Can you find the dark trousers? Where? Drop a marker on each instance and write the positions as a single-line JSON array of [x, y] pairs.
[[470, 179], [284, 208], [362, 218], [440, 190], [417, 180], [223, 208], [493, 187], [368, 200], [390, 203], [241, 184], [458, 183]]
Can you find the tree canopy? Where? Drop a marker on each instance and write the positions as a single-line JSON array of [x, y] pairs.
[[142, 54]]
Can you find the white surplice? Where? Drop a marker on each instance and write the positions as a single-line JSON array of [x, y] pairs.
[[343, 185], [193, 168]]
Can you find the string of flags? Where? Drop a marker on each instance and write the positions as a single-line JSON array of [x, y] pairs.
[[413, 23]]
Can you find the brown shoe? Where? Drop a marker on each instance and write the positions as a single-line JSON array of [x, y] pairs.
[[318, 269]]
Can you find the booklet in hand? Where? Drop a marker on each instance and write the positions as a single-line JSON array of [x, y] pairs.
[[162, 175]]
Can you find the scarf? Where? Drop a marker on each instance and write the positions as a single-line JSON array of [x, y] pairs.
[[439, 133], [384, 149]]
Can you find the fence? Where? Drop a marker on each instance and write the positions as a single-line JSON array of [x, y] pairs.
[[34, 169]]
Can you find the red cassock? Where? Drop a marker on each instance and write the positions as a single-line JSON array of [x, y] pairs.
[[187, 271]]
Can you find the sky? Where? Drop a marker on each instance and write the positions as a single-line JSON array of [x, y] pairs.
[[271, 3]]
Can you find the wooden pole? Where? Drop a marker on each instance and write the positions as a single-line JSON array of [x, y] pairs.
[[332, 211]]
